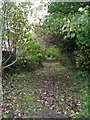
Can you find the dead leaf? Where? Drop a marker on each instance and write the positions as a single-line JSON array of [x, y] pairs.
[[71, 115]]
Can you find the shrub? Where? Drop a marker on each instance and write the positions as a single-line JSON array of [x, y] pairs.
[[74, 28], [32, 55]]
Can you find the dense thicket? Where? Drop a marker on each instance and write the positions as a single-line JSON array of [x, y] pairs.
[[67, 26], [17, 42]]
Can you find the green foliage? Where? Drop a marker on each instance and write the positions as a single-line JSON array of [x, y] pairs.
[[76, 32], [83, 41], [83, 57], [69, 29], [65, 7], [32, 55], [15, 20], [51, 53], [15, 27], [83, 76], [17, 35]]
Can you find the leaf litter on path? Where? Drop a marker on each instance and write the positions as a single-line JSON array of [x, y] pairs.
[[45, 91]]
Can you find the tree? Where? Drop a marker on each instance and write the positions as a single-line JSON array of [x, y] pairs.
[[15, 28], [67, 26], [65, 8], [1, 30]]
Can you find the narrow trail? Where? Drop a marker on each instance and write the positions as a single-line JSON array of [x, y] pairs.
[[53, 91], [49, 92]]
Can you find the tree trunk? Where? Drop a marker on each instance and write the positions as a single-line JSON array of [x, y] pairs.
[[1, 71], [2, 18]]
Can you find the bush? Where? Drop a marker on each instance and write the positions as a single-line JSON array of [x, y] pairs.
[[32, 55], [74, 29], [51, 53]]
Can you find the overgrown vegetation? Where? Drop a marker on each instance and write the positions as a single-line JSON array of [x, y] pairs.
[[68, 28], [49, 71], [32, 55]]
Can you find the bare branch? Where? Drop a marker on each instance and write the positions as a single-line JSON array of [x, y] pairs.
[[7, 59], [9, 64]]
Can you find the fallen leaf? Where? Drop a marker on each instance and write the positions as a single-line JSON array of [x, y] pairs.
[[71, 115]]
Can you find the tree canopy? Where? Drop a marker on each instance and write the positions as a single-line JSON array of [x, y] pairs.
[[67, 26]]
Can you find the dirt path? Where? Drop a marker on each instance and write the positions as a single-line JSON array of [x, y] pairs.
[[49, 92]]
